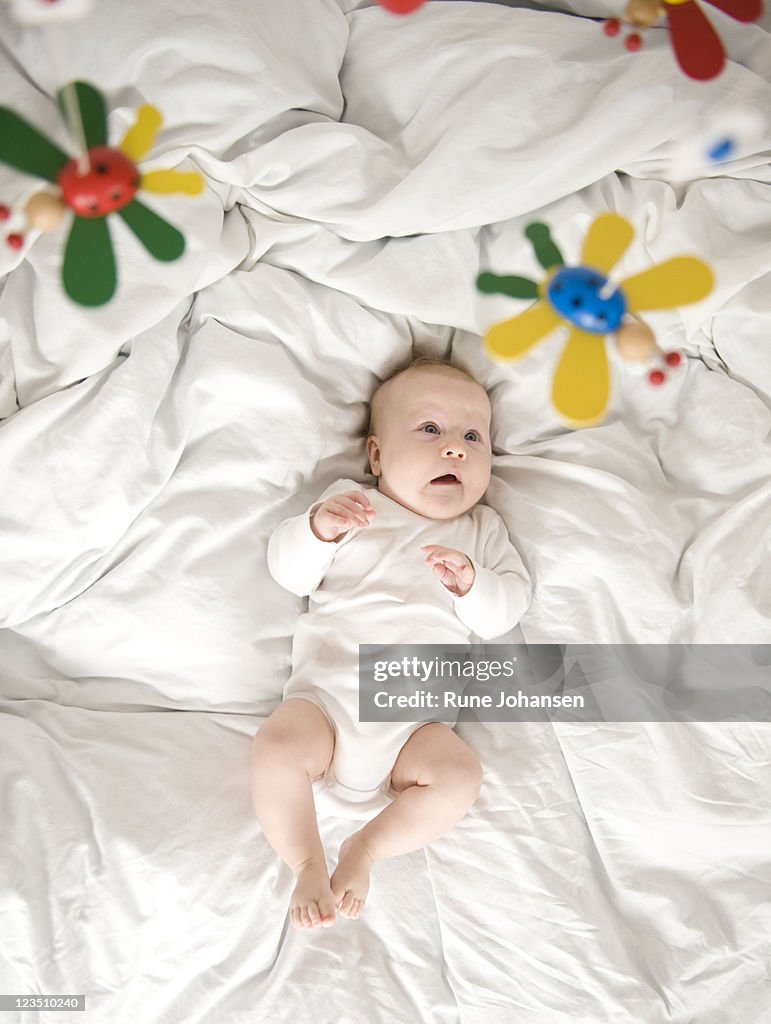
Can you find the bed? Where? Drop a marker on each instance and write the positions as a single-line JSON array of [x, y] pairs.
[[360, 170]]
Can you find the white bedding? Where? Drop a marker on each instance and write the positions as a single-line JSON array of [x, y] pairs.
[[360, 170]]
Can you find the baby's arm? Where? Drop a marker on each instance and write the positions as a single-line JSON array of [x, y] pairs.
[[301, 549], [501, 589]]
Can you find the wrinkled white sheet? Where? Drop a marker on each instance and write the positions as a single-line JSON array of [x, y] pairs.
[[360, 170]]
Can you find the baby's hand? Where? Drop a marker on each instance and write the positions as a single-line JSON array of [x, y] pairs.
[[339, 513], [453, 568]]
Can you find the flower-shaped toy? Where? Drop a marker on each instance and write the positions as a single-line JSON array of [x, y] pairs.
[[583, 299], [102, 181], [697, 46]]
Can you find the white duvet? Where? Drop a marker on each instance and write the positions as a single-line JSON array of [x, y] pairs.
[[360, 171]]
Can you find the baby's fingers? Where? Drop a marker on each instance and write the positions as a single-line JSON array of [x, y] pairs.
[[439, 551], [436, 554], [444, 572], [359, 499], [349, 510]]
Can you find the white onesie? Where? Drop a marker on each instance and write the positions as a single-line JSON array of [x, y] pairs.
[[373, 587]]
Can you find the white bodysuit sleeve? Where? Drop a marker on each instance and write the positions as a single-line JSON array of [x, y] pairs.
[[297, 559], [500, 593]]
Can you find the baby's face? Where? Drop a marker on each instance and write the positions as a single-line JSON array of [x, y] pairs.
[[431, 450]]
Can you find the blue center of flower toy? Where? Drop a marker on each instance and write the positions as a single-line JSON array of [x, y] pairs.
[[721, 150], [575, 293]]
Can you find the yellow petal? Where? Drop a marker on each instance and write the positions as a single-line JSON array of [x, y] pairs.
[[675, 282], [582, 382], [512, 338], [189, 182], [606, 241], [139, 139]]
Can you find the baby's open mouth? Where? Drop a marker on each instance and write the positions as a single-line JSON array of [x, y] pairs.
[[448, 478]]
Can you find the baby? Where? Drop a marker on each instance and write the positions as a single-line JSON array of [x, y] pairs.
[[416, 560]]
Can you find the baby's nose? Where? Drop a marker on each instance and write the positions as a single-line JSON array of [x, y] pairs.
[[452, 451]]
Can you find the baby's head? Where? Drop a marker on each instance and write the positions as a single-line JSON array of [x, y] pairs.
[[429, 439]]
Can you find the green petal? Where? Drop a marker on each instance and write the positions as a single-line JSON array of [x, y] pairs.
[[90, 103], [156, 234], [89, 265], [546, 252], [516, 287], [24, 148]]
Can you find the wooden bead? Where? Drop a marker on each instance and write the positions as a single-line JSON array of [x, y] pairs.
[[44, 211], [643, 13], [635, 342]]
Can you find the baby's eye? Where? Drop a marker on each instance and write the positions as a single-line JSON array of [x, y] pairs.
[[471, 435], [431, 428]]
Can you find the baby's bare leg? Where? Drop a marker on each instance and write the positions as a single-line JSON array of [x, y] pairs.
[[293, 747], [437, 777]]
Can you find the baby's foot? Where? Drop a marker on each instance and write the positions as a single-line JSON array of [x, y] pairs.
[[350, 879], [312, 903]]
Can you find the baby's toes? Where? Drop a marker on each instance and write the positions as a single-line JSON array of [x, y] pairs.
[[346, 903], [326, 911], [356, 909]]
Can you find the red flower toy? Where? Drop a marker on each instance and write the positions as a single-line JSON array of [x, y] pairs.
[[103, 180], [697, 46]]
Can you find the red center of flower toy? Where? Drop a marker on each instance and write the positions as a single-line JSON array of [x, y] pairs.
[[401, 6], [110, 183]]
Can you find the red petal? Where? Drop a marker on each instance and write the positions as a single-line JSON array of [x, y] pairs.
[[742, 10], [698, 50]]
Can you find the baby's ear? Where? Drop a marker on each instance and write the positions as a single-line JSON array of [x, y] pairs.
[[373, 454]]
